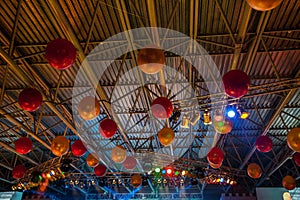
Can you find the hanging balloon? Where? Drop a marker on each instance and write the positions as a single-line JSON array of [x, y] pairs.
[[92, 161], [60, 146], [100, 170], [23, 145], [296, 158], [65, 165], [215, 156], [263, 144], [236, 87], [89, 108], [108, 128], [18, 171], [289, 183], [151, 59], [263, 5], [166, 136], [224, 126], [293, 139], [162, 108], [136, 180], [78, 148], [129, 163], [118, 154], [254, 170], [30, 99], [60, 53]]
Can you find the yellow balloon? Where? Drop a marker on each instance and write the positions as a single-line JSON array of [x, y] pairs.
[[118, 154], [92, 161], [293, 139], [136, 180], [60, 146], [254, 170], [166, 136], [89, 108]]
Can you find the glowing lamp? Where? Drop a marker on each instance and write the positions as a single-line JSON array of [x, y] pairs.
[[288, 182], [263, 5], [184, 172], [169, 171], [157, 170], [166, 136], [206, 118], [23, 145], [293, 139], [60, 53], [78, 148], [254, 170], [108, 128], [89, 108], [243, 113], [30, 99], [185, 122], [263, 144], [236, 83], [162, 108], [60, 145], [18, 172], [151, 59]]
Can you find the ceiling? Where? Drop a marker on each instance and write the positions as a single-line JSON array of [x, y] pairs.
[[265, 45]]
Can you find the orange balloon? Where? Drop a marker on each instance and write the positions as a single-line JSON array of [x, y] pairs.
[[293, 139], [151, 59], [60, 145], [89, 108], [92, 161], [254, 170], [166, 136], [289, 182], [224, 126], [136, 180], [118, 154], [263, 5]]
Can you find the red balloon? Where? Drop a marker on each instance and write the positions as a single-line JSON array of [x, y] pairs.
[[18, 171], [60, 53], [264, 144], [236, 83], [129, 163], [78, 148], [100, 170], [288, 182], [108, 128], [215, 156], [296, 158], [162, 108], [30, 99], [23, 145]]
